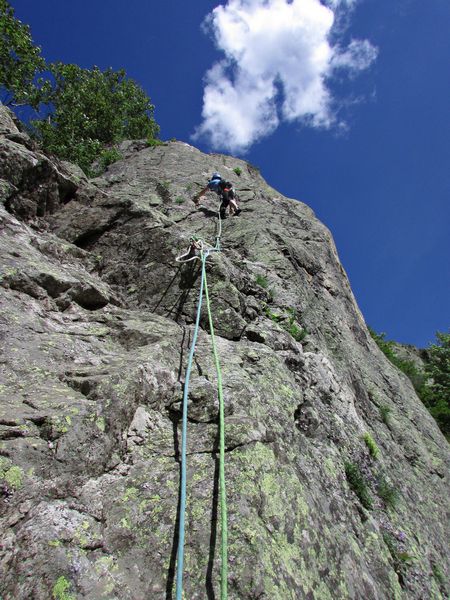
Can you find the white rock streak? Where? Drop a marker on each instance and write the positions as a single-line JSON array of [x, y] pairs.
[[277, 64]]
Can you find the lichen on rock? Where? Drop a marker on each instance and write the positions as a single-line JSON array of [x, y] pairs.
[[96, 324]]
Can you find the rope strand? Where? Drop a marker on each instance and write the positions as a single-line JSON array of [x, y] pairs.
[[204, 253], [182, 512], [222, 488]]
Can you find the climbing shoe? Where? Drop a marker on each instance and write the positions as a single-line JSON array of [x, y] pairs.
[[223, 214], [237, 212]]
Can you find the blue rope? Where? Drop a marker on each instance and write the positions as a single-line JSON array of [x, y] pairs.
[[181, 529], [182, 510]]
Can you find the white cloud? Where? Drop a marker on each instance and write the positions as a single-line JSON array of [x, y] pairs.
[[277, 64], [358, 56]]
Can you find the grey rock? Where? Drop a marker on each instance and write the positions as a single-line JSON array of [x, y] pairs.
[[95, 328]]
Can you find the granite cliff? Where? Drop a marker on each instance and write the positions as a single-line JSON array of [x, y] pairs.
[[337, 475]]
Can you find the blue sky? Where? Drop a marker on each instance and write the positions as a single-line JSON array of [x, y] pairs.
[[356, 118]]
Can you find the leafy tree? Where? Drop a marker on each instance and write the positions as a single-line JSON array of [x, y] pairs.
[[436, 391], [20, 60], [432, 384], [407, 366], [90, 110], [83, 112]]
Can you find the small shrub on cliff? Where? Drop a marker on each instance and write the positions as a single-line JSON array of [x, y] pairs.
[[288, 322], [406, 366], [436, 390], [374, 451], [262, 281], [433, 384], [238, 171], [358, 484], [437, 574], [61, 590], [387, 492], [297, 333], [292, 327], [152, 143], [275, 317], [385, 412], [108, 157], [402, 560]]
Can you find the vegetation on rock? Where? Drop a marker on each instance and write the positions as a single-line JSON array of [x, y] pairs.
[[91, 110], [60, 590], [90, 396], [374, 451], [385, 412], [90, 399], [387, 492], [432, 384], [80, 113], [435, 393], [358, 484]]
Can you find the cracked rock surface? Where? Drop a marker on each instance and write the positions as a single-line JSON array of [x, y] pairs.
[[95, 326]]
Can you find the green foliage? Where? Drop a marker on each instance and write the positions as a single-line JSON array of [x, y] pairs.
[[273, 316], [374, 451], [20, 60], [179, 200], [271, 294], [108, 157], [390, 542], [436, 390], [385, 412], [262, 281], [238, 171], [406, 366], [437, 574], [405, 557], [91, 109], [60, 590], [432, 385], [152, 142], [288, 322], [14, 477], [358, 484], [297, 333], [82, 111], [292, 327], [387, 492], [402, 560]]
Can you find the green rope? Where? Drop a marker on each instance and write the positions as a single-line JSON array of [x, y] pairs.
[[182, 509], [223, 500], [222, 489]]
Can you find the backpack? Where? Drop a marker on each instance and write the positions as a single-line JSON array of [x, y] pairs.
[[214, 185]]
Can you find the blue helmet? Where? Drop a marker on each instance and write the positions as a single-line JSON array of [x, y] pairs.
[[216, 176]]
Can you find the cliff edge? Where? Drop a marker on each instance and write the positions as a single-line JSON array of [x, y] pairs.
[[337, 476]]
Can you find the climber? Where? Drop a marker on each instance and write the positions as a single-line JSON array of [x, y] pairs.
[[226, 192]]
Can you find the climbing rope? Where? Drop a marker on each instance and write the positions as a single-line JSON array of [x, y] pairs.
[[182, 509], [205, 250], [222, 489]]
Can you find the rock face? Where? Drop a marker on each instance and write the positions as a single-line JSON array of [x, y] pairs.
[[337, 477]]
